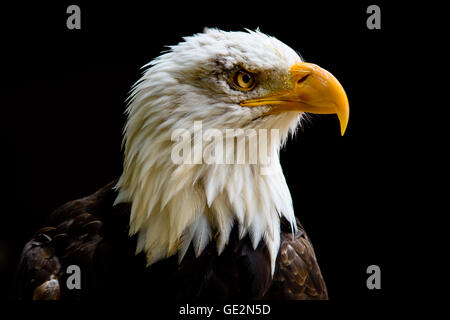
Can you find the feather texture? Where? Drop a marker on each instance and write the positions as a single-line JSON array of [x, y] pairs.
[[93, 234], [183, 87]]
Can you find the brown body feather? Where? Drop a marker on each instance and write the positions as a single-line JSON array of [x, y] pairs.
[[93, 234]]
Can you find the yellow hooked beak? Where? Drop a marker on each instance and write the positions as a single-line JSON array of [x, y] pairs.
[[314, 90]]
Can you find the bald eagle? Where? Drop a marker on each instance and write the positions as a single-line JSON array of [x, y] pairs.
[[195, 229]]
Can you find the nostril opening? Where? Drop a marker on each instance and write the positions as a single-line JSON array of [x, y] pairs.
[[302, 79]]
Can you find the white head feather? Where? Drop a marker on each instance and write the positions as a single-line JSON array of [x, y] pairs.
[[175, 205]]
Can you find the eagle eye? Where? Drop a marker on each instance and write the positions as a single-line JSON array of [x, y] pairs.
[[243, 80]]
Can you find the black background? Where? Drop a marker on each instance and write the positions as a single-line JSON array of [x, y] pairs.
[[65, 97]]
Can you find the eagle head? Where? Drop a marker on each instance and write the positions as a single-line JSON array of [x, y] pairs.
[[222, 94]]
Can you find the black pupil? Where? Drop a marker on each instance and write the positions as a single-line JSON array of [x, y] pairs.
[[246, 78]]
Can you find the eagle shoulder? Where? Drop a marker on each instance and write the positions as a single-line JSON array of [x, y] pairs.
[[297, 275], [70, 237]]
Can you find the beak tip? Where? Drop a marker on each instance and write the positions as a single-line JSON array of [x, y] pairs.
[[343, 119]]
